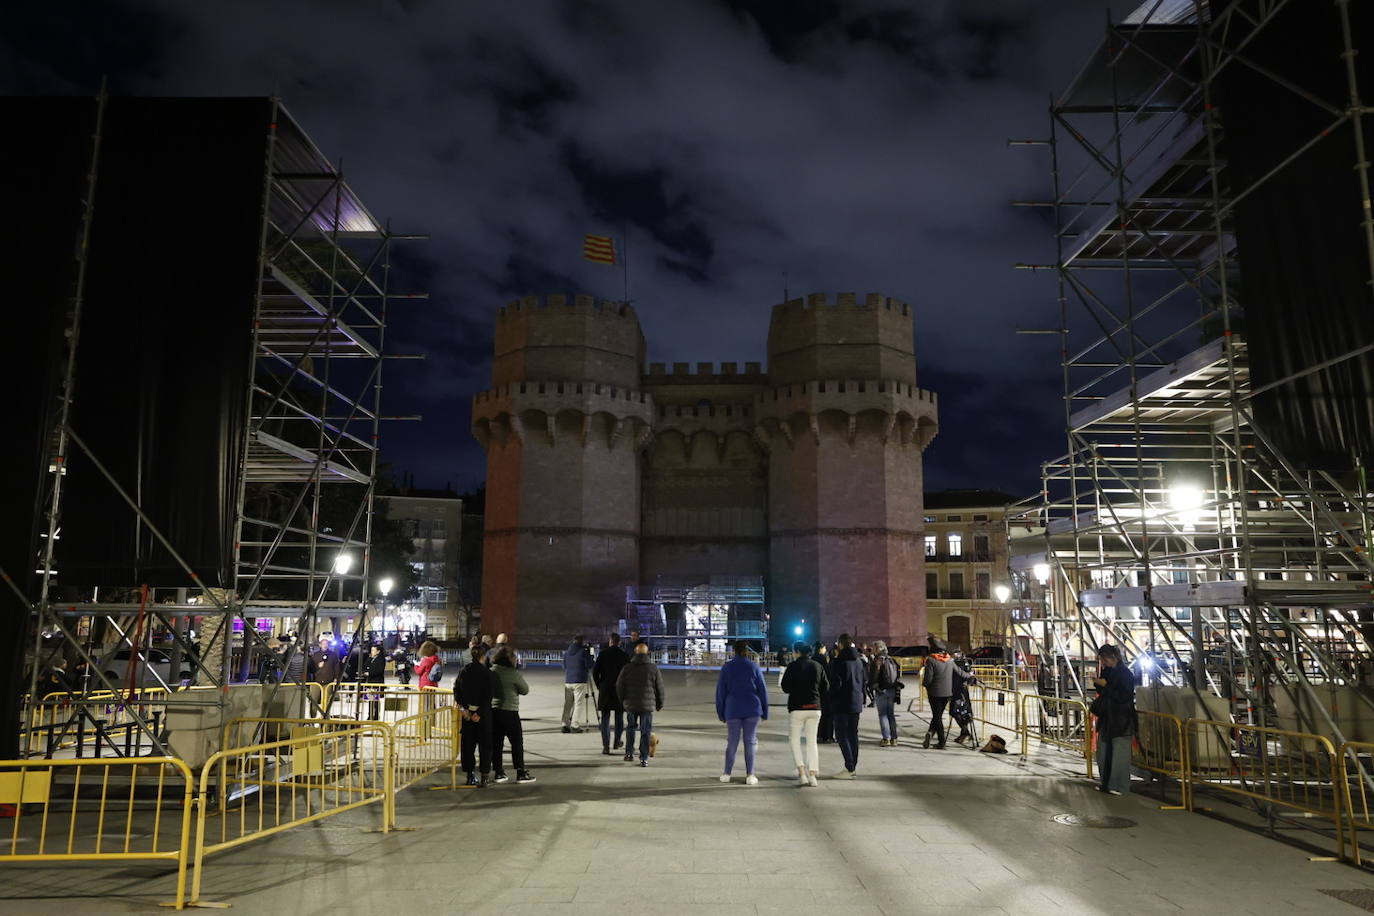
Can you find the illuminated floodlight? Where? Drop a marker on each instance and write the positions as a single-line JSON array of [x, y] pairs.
[[343, 563], [1042, 572], [1186, 497], [386, 585], [1002, 592], [798, 629]]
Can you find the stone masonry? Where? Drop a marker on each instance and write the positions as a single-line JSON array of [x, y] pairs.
[[602, 476]]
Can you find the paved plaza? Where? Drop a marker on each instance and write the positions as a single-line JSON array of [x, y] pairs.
[[920, 831]]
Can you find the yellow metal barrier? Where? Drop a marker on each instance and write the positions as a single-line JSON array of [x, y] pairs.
[[383, 702], [1357, 773], [425, 744], [993, 676], [907, 664], [996, 706], [264, 789], [1159, 748], [109, 809], [1293, 770], [1058, 721]]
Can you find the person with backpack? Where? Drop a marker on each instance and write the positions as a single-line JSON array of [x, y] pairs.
[[883, 682], [605, 673], [937, 677], [741, 703], [847, 679], [473, 693], [805, 683], [640, 689], [508, 686], [429, 670]]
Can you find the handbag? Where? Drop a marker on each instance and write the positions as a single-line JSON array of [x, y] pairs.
[[1099, 706]]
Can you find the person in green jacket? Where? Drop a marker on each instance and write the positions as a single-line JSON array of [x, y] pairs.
[[508, 686]]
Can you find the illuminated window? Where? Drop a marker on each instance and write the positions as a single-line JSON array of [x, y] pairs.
[[956, 545], [930, 545]]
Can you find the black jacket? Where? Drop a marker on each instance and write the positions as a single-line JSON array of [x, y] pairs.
[[847, 679], [805, 683], [1119, 720], [474, 686], [605, 673], [640, 686], [374, 671]]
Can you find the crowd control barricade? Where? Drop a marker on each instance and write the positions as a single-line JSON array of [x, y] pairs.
[[996, 707], [1293, 770], [1159, 748], [266, 788], [104, 810], [1357, 772], [424, 744], [384, 702], [994, 676], [1058, 721]]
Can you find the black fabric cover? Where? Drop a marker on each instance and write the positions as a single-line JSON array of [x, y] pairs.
[[1305, 271], [42, 177], [165, 346]]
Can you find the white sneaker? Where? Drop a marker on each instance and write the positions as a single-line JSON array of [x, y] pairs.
[[751, 780], [844, 774], [803, 779], [813, 779], [724, 777]]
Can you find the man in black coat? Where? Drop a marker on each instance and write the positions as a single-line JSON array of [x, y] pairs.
[[472, 692], [847, 679], [640, 689], [604, 675]]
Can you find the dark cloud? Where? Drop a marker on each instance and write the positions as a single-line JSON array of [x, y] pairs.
[[848, 145]]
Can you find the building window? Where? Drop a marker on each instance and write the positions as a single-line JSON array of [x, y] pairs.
[[930, 545], [980, 518], [956, 545], [982, 585], [956, 585], [932, 585], [980, 546], [930, 519], [955, 518]]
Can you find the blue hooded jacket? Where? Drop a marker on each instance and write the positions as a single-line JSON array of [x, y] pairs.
[[577, 664], [740, 691]]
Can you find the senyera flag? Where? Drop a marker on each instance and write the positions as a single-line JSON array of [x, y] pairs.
[[599, 248]]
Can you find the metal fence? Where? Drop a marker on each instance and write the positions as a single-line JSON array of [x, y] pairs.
[[1058, 721]]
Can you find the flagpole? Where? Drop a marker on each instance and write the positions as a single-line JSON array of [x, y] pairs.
[[625, 261]]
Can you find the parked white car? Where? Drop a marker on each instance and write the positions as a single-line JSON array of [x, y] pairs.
[[116, 668]]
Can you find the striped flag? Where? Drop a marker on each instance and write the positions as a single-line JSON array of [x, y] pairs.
[[599, 248]]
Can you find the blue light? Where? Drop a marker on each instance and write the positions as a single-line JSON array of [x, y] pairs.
[[798, 630]]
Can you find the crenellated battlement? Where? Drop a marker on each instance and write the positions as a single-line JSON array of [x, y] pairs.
[[561, 390], [843, 301], [703, 373], [534, 306], [894, 387]]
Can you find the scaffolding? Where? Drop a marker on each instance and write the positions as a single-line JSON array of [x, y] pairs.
[[698, 615], [1234, 575], [303, 469]]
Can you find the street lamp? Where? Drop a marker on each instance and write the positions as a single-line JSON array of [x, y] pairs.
[[1002, 592], [385, 587], [342, 564]]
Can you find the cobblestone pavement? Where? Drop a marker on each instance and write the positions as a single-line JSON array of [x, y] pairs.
[[920, 831]]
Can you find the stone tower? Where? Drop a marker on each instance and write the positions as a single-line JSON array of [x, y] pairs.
[[845, 426], [562, 427]]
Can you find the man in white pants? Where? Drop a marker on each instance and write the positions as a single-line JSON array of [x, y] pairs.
[[577, 673], [806, 683]]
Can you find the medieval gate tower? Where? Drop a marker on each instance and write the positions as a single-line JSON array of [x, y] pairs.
[[602, 476]]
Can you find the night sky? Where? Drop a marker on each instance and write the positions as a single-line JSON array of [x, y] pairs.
[[828, 146]]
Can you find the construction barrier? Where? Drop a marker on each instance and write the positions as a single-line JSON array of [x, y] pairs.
[[996, 707], [1058, 721], [1294, 770], [1159, 748], [1357, 772], [265, 789], [994, 676], [111, 810], [425, 743]]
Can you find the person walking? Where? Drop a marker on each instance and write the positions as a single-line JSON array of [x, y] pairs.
[[882, 684], [577, 672], [960, 706], [1117, 722], [805, 683], [741, 703], [825, 728], [847, 679], [937, 677], [473, 694], [640, 689], [604, 674], [508, 686]]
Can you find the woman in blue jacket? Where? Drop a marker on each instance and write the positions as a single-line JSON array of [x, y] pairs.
[[741, 701]]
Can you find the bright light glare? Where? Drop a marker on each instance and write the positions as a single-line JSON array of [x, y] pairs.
[[386, 585], [798, 630], [1042, 572], [343, 563], [1146, 661], [1186, 497], [1002, 592]]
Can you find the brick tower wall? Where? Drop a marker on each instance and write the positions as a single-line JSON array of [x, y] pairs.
[[562, 428], [845, 426]]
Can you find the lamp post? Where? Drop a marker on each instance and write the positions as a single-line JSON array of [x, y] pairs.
[[385, 587], [342, 564]]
